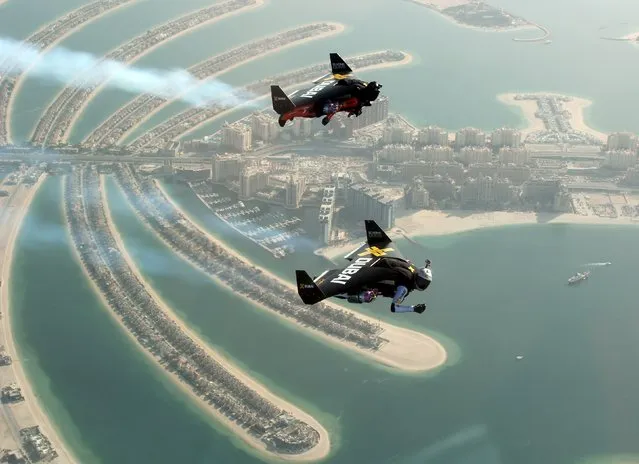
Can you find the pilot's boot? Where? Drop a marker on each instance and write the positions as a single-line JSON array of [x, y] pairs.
[[327, 118], [398, 308], [282, 121]]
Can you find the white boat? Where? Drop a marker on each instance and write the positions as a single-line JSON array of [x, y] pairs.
[[578, 277]]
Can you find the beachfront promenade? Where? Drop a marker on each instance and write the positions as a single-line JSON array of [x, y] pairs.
[[249, 281], [125, 293], [191, 119], [43, 39], [130, 116], [53, 127]]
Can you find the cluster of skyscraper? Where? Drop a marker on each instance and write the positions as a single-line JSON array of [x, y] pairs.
[[410, 168], [621, 151], [262, 128], [472, 170], [253, 177]]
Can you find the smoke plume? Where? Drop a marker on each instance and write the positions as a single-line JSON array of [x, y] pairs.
[[84, 70]]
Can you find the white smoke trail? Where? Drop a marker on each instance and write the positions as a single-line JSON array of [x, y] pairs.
[[83, 70]]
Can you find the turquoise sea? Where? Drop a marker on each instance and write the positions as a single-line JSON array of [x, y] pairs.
[[571, 396], [499, 293]]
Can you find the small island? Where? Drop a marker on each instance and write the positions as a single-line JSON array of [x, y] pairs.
[[478, 14]]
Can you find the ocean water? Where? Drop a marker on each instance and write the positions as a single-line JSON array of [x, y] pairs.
[[498, 293], [572, 396]]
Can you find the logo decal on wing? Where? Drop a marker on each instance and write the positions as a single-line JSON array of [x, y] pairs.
[[374, 251], [348, 272]]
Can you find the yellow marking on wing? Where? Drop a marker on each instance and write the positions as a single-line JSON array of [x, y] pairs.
[[374, 251]]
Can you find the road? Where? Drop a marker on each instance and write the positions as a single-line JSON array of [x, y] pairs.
[[328, 148]]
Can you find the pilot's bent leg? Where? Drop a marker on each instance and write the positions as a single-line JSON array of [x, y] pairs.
[[396, 306]]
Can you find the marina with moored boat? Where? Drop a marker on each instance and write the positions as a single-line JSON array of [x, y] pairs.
[[273, 231]]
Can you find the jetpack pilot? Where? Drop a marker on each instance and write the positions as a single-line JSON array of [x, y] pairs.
[[401, 279]]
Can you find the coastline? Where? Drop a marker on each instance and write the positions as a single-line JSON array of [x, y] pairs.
[[407, 350], [97, 89], [339, 29], [425, 223], [320, 451], [429, 223], [528, 108], [408, 58], [576, 108], [31, 399], [21, 79]]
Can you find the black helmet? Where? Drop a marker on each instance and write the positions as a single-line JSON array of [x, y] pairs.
[[428, 263]]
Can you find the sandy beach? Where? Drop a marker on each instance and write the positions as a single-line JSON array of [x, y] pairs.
[[576, 108], [257, 4], [408, 58], [406, 349], [321, 450], [442, 223], [21, 79], [9, 230], [528, 108], [434, 223], [339, 28]]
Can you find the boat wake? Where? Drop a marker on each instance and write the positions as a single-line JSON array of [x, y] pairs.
[[598, 264]]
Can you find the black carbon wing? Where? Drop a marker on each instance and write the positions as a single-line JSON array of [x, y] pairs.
[[377, 245], [337, 281]]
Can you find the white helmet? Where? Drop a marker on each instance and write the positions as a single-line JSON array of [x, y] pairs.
[[423, 278]]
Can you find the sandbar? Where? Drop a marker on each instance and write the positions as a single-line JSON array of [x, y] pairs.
[[97, 89], [407, 350], [9, 232], [576, 108], [321, 450], [20, 81], [339, 28]]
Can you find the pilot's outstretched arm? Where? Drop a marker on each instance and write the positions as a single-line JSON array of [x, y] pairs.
[[396, 305]]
